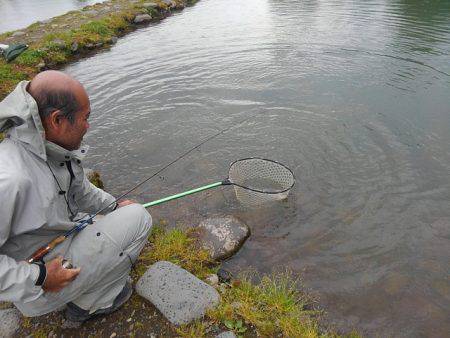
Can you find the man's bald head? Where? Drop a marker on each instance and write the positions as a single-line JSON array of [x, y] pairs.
[[53, 90], [63, 107]]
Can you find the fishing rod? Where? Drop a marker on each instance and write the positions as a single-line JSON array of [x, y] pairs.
[[39, 254]]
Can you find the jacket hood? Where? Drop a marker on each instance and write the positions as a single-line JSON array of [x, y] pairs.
[[19, 118]]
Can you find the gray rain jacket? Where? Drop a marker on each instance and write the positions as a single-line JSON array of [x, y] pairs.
[[43, 188]]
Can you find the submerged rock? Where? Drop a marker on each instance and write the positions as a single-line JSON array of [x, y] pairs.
[[9, 322], [142, 18], [180, 296], [223, 235]]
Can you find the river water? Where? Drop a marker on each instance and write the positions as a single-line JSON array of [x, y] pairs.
[[18, 14], [353, 96]]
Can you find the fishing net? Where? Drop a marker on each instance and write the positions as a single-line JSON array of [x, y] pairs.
[[258, 181]]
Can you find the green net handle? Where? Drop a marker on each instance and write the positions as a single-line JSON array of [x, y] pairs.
[[189, 192]]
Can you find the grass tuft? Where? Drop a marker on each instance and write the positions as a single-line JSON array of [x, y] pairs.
[[197, 329], [273, 307], [179, 247]]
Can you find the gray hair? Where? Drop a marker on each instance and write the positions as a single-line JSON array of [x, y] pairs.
[[48, 100]]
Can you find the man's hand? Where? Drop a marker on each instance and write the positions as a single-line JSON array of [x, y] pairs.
[[125, 202], [57, 276]]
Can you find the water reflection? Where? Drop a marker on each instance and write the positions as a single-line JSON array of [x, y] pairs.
[[17, 14], [344, 99]]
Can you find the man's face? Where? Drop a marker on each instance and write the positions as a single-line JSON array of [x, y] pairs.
[[70, 134], [73, 133]]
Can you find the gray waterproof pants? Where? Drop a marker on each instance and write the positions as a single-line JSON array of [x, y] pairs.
[[105, 252]]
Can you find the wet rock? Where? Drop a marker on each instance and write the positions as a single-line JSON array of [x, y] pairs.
[[114, 39], [223, 235], [90, 46], [9, 322], [18, 33], [142, 18], [180, 296], [226, 334], [150, 5]]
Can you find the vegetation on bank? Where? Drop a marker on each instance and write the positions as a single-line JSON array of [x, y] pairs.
[[274, 307], [75, 34]]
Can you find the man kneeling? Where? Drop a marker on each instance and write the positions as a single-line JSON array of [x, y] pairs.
[[44, 191]]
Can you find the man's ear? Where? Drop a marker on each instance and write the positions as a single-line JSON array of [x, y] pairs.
[[54, 120]]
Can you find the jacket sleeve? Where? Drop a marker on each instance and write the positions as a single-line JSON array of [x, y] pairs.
[[17, 279], [91, 199]]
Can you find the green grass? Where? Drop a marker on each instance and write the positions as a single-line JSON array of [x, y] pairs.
[[179, 247], [273, 307]]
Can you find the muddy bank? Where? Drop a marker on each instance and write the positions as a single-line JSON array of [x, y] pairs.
[[58, 41]]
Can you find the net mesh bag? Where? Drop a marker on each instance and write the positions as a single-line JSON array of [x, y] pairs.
[[258, 181]]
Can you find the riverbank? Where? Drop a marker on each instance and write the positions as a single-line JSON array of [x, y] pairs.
[[56, 42], [274, 307]]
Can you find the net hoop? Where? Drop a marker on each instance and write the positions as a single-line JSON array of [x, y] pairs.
[[257, 190]]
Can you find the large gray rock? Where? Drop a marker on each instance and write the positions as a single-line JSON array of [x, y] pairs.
[[223, 235], [9, 322], [142, 18], [180, 296]]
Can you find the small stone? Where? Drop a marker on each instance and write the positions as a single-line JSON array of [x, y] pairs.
[[67, 324], [150, 5], [41, 66], [9, 322], [90, 46], [59, 43], [46, 21], [142, 18], [103, 320], [114, 39], [180, 296], [98, 44], [129, 320], [212, 280], [113, 335], [226, 334], [91, 12], [74, 47], [18, 33]]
